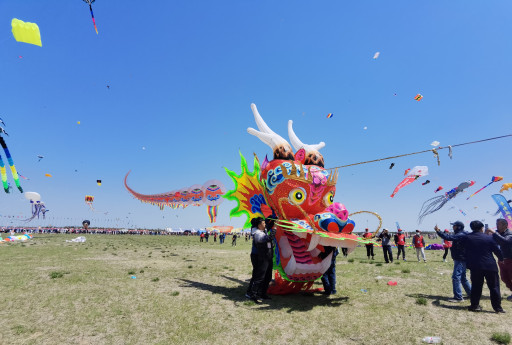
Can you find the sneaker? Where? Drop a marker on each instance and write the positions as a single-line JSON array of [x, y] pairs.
[[256, 299], [500, 311], [456, 300], [248, 296], [509, 298], [444, 260], [475, 309], [404, 259], [334, 292]]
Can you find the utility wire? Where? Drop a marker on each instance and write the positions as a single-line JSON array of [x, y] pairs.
[[424, 151]]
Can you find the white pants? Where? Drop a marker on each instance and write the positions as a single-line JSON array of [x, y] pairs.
[[422, 251]]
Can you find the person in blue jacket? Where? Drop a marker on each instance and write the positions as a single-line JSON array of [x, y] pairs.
[[459, 260]]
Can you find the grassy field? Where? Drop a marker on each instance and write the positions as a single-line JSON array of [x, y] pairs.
[[186, 292]]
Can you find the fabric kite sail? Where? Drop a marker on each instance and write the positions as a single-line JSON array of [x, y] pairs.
[[493, 179], [412, 175], [11, 165], [504, 208], [436, 203]]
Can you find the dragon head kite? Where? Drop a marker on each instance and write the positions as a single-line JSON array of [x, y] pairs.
[[298, 191]]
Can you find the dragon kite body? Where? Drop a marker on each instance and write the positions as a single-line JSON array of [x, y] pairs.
[[3, 173], [297, 191]]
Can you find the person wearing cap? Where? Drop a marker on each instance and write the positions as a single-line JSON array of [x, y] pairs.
[[446, 245], [369, 246], [504, 239], [385, 237], [400, 244], [458, 254], [419, 244], [482, 265], [256, 223]]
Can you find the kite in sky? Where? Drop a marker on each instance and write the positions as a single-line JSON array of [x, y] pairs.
[[26, 32], [426, 182], [40, 157], [506, 186], [493, 179], [392, 165], [376, 55], [89, 199], [38, 207], [436, 203], [10, 161], [89, 2], [48, 175], [438, 189], [412, 175], [418, 97], [98, 182], [330, 115]]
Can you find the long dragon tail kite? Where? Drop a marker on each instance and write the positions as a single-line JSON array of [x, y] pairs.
[[89, 2], [11, 165], [494, 179]]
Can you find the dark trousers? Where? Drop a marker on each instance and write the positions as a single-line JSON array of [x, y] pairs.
[[446, 250], [254, 262], [268, 279], [344, 251], [369, 250], [493, 283], [262, 263], [388, 254], [401, 249], [329, 277]]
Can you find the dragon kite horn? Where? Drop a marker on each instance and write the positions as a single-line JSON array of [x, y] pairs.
[[313, 156], [281, 148]]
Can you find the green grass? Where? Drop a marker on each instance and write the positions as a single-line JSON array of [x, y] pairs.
[[501, 338], [421, 301], [94, 301]]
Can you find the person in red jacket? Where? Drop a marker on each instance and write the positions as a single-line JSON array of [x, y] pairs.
[[419, 243], [369, 246], [446, 245], [400, 244]]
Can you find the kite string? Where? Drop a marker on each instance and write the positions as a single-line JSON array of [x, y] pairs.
[[424, 151]]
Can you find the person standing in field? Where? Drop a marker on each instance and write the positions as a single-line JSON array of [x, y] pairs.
[[201, 237], [482, 265], [419, 244], [504, 239], [369, 246], [329, 277], [233, 240], [458, 253], [385, 237], [206, 235], [446, 246], [261, 255], [400, 244]]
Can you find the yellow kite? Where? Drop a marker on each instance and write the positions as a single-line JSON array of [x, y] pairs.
[[26, 32]]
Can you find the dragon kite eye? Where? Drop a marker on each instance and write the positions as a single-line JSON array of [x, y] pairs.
[[297, 196], [329, 199]]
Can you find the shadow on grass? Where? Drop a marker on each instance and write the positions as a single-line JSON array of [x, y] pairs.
[[436, 302], [298, 302]]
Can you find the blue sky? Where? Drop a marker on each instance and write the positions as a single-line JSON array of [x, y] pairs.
[[182, 76]]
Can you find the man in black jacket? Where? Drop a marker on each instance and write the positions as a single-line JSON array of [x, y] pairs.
[[504, 238], [385, 237], [479, 249], [459, 260]]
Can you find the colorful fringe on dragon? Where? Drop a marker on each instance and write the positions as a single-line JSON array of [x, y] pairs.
[[298, 191]]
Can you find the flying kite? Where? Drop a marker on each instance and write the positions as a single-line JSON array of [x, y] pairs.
[[98, 182], [26, 32], [38, 207], [412, 175], [376, 55], [3, 174], [210, 194], [418, 97], [406, 171], [506, 186], [48, 175], [435, 143], [438, 189], [436, 203], [392, 165], [330, 115], [40, 157], [493, 179], [89, 2], [426, 182], [89, 199]]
